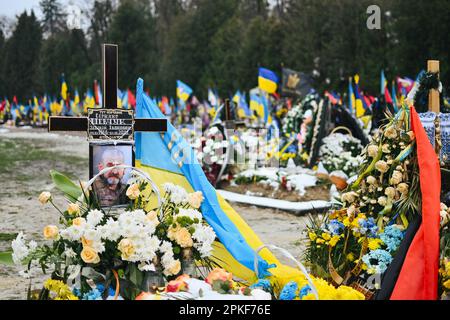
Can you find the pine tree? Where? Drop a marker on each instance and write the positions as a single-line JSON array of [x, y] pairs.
[[21, 58], [54, 17]]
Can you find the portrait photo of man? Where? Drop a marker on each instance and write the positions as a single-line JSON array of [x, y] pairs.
[[110, 187]]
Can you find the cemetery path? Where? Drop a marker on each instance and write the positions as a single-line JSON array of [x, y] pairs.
[[27, 155]]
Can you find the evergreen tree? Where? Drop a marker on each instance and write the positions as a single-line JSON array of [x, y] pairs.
[[54, 17], [21, 58], [133, 29]]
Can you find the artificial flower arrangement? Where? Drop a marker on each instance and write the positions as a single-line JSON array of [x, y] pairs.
[[349, 245], [95, 253], [340, 152], [444, 267]]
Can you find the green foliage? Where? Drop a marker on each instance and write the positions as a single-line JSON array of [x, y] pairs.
[[6, 258], [64, 184]]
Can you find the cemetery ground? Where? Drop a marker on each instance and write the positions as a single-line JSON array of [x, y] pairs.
[[26, 157]]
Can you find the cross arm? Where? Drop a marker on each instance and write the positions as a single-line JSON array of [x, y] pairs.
[[57, 123]]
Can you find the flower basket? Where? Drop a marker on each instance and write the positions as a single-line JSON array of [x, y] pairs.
[[359, 287]]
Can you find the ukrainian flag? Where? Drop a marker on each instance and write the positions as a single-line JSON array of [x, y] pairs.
[[175, 162], [267, 80], [183, 91], [63, 88], [360, 108], [256, 104]]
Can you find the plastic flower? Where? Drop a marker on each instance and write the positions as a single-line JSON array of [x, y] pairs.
[[374, 243], [51, 232], [336, 227], [372, 150], [377, 261], [382, 166], [73, 209], [392, 237], [133, 191], [289, 291], [263, 284]]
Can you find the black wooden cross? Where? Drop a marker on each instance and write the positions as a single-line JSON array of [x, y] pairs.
[[110, 81]]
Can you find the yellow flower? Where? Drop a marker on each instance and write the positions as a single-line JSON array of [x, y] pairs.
[[183, 238], [374, 244], [195, 199], [89, 255], [309, 296], [318, 240], [73, 209], [334, 240], [51, 232], [126, 247], [447, 284], [312, 236], [346, 221], [86, 242], [372, 150], [174, 268], [79, 221], [44, 197], [133, 191], [350, 257], [326, 236]]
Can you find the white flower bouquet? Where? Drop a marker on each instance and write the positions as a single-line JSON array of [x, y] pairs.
[[95, 254]]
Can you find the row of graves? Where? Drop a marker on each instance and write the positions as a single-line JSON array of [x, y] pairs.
[[150, 225]]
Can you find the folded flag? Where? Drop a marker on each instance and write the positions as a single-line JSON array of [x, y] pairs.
[[267, 80]]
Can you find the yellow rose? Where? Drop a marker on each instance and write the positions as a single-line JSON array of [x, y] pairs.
[[44, 197], [183, 238], [89, 255], [126, 247], [172, 231], [79, 221], [195, 199], [51, 232], [312, 236], [86, 242], [174, 268], [133, 191], [73, 209]]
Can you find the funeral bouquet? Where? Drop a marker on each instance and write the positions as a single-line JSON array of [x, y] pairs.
[[340, 152], [95, 253], [361, 239]]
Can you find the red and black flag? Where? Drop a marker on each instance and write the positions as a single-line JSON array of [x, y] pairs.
[[413, 274]]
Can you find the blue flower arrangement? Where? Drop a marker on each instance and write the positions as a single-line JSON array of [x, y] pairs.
[[263, 284], [336, 227], [304, 291], [377, 261], [392, 237], [94, 294], [289, 291], [368, 227]]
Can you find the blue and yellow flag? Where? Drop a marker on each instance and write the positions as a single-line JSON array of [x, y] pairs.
[[359, 100], [63, 88], [256, 104], [267, 80], [183, 91], [176, 162]]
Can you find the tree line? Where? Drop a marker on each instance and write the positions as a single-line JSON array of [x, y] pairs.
[[221, 44]]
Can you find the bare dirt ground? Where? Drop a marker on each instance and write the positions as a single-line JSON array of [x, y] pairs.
[[26, 157]]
